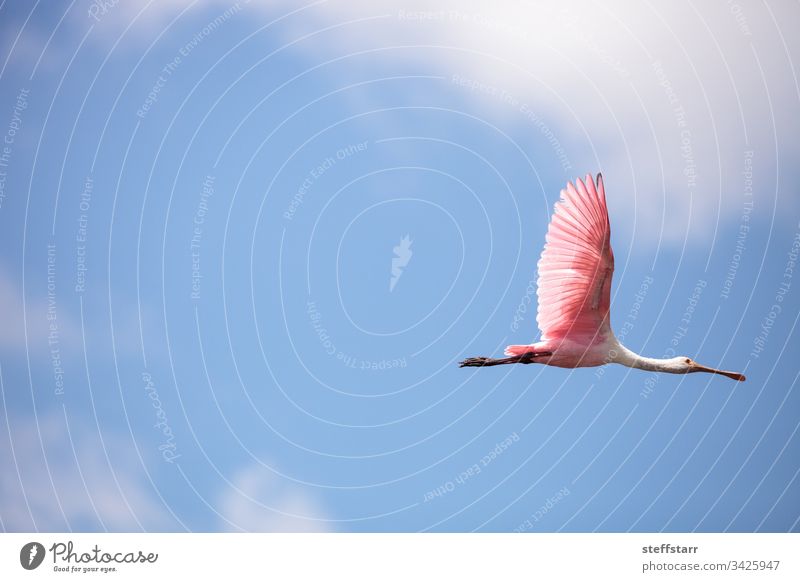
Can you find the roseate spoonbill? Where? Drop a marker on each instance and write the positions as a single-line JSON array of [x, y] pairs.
[[574, 289]]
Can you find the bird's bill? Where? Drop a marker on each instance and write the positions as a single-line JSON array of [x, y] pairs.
[[732, 375]]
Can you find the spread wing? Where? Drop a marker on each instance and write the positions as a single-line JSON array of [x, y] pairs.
[[575, 269]]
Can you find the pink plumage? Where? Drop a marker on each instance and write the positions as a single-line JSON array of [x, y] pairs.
[[576, 265], [574, 285], [574, 293]]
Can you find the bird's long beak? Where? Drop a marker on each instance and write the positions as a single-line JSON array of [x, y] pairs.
[[732, 375]]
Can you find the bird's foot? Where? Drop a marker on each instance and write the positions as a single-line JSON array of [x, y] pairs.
[[479, 361], [526, 358]]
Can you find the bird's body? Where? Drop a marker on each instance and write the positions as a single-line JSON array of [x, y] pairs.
[[568, 353], [574, 293]]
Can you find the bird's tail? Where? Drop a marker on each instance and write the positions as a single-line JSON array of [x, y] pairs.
[[518, 350]]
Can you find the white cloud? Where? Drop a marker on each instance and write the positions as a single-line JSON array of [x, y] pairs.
[[87, 492], [660, 97], [12, 331], [43, 310], [260, 501], [145, 21], [36, 309], [614, 81]]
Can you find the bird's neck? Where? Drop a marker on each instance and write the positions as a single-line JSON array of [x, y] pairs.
[[631, 359]]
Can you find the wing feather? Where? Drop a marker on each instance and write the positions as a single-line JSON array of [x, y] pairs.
[[576, 266]]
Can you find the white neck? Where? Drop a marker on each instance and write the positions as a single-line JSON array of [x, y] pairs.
[[626, 357]]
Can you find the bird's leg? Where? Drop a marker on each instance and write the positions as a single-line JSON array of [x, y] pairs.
[[484, 361], [526, 358]]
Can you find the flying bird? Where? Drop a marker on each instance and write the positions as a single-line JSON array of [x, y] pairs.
[[574, 293]]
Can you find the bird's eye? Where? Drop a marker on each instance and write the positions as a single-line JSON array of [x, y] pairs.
[[688, 361]]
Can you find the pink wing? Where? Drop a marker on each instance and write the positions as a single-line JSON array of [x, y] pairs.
[[575, 269]]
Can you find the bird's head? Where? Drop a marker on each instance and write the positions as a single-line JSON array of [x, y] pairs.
[[686, 365]]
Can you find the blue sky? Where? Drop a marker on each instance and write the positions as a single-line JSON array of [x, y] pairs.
[[204, 206]]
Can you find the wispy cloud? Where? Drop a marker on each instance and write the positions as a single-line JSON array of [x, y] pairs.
[[262, 501], [664, 99], [46, 320], [59, 476]]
